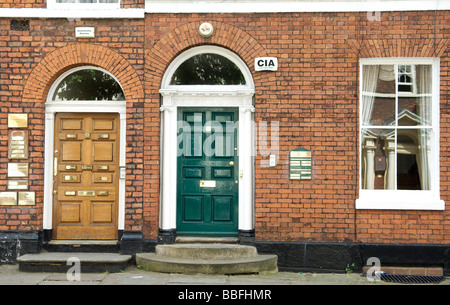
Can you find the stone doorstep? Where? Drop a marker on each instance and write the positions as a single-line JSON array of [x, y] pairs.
[[62, 261], [435, 271]]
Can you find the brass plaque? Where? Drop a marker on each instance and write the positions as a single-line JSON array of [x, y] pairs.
[[8, 198], [17, 170], [103, 167], [103, 136], [207, 183], [70, 178], [71, 167], [71, 136], [86, 193], [17, 144], [17, 184], [69, 193], [17, 120], [17, 156], [102, 178], [27, 198], [102, 193], [86, 167]]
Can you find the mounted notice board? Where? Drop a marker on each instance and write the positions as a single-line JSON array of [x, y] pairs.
[[300, 164]]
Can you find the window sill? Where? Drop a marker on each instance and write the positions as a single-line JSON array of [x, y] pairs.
[[70, 13], [398, 200]]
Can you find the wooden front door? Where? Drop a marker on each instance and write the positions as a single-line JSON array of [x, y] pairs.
[[207, 184], [86, 167]]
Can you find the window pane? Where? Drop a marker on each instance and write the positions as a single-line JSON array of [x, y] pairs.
[[413, 159], [88, 85], [415, 109], [378, 159], [378, 97], [208, 69]]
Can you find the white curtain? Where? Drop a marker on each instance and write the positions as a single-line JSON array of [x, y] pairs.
[[423, 79], [369, 87]]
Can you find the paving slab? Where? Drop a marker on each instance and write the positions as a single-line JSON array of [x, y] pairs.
[[11, 275]]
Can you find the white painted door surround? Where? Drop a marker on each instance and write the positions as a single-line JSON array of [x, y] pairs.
[[236, 96]]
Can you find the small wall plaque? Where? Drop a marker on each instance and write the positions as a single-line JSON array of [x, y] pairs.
[[17, 170], [300, 164], [8, 198], [85, 32], [17, 184], [18, 144], [27, 198], [17, 120], [266, 64]]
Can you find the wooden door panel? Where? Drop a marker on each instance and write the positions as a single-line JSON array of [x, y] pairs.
[[86, 152], [70, 212], [222, 208], [71, 124], [71, 151], [102, 212], [193, 208], [103, 124], [103, 151]]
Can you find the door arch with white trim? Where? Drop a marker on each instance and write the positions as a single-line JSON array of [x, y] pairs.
[[99, 123], [234, 92]]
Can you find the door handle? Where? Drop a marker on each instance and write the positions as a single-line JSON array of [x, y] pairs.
[[231, 163]]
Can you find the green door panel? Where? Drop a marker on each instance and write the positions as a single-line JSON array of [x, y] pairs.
[[207, 172]]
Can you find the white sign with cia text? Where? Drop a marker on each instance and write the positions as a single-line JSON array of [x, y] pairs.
[[266, 64]]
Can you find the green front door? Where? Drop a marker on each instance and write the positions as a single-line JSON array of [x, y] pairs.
[[207, 175]]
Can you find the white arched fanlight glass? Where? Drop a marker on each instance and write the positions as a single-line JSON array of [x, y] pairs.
[[87, 84], [207, 66], [208, 69]]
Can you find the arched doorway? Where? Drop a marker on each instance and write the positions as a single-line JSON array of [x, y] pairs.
[[84, 153], [207, 141]]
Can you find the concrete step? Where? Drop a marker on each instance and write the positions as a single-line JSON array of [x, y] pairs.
[[207, 259], [206, 251], [63, 261], [98, 246]]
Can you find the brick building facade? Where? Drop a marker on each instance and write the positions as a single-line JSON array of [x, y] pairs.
[[314, 97]]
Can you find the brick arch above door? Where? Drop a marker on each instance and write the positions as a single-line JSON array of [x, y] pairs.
[[65, 58], [186, 36]]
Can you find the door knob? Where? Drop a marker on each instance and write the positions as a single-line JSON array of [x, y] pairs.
[[231, 163]]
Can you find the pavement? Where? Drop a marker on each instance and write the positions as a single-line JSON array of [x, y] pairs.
[[10, 275]]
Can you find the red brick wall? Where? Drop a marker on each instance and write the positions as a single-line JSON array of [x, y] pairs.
[[313, 96]]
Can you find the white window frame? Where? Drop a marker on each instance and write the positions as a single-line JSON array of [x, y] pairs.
[[52, 4], [405, 199]]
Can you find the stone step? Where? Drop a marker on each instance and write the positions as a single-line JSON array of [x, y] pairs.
[[99, 246], [207, 259], [206, 251], [249, 265], [63, 261]]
